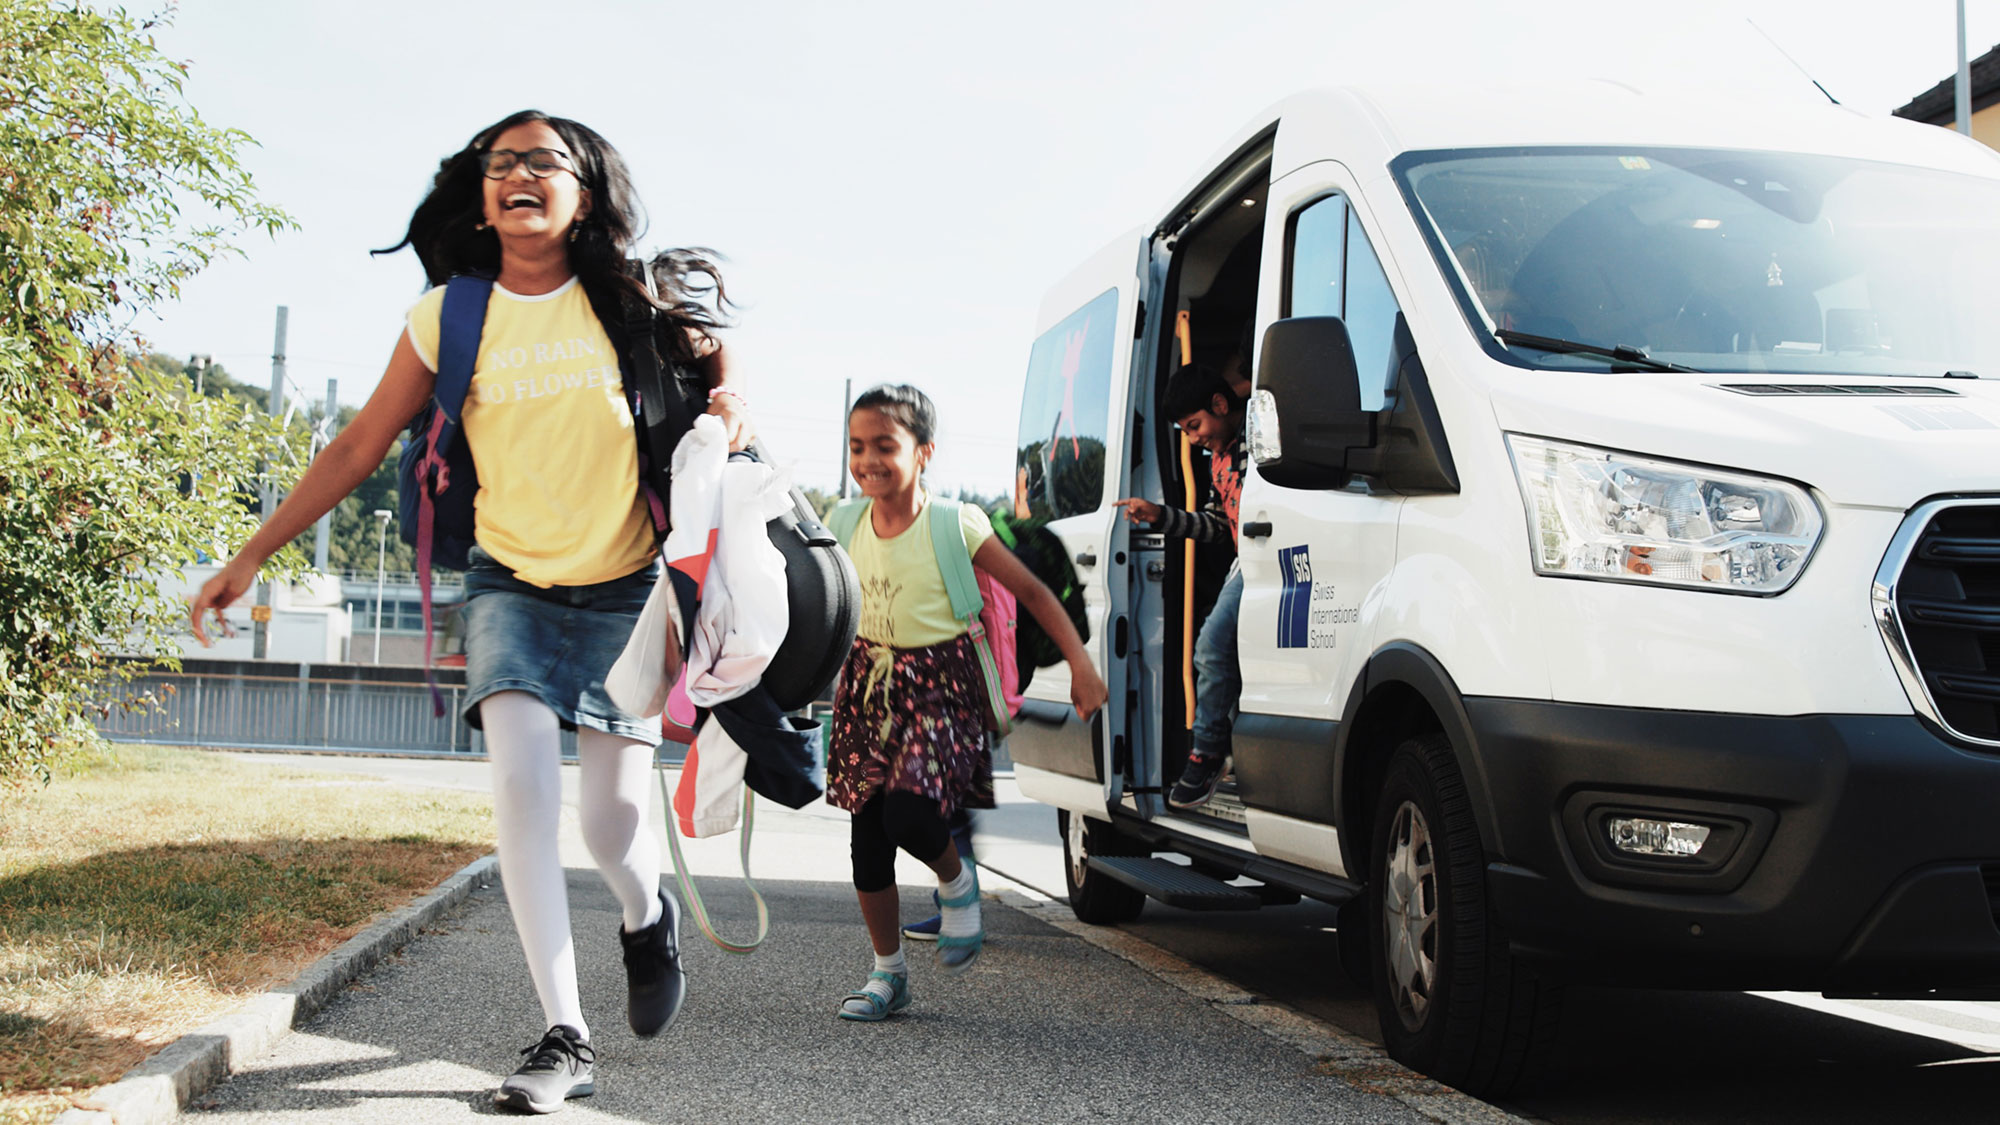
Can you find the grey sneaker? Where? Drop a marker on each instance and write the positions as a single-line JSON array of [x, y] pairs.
[[559, 1067]]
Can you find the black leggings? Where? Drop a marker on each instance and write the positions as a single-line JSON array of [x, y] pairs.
[[892, 820]]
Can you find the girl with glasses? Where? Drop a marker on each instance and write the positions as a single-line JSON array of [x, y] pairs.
[[566, 545]]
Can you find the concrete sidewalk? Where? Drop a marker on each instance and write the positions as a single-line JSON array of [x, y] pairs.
[[1048, 1026]]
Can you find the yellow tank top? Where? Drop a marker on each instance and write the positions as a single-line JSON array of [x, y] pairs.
[[551, 434]]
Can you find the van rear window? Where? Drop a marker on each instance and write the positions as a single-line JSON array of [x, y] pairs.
[[1065, 412]]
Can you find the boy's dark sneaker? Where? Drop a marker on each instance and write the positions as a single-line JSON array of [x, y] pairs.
[[655, 984], [1198, 781], [926, 930], [559, 1067]]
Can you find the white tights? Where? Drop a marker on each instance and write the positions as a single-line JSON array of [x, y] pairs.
[[521, 744]]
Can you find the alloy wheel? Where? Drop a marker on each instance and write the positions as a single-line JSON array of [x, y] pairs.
[[1410, 915]]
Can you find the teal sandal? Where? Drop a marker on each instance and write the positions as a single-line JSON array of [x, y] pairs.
[[956, 954], [879, 1009]]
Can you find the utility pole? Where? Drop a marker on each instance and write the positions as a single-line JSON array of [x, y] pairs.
[[1964, 99], [846, 407], [323, 530], [381, 553], [260, 616]]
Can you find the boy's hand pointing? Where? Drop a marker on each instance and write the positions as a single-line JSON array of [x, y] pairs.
[[1139, 511]]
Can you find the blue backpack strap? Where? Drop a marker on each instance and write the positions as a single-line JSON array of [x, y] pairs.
[[954, 560], [460, 323], [845, 518]]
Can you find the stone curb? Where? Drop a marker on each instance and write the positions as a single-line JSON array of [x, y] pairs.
[[155, 1091], [1339, 1054]]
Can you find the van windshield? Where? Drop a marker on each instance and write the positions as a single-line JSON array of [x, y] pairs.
[[1724, 261]]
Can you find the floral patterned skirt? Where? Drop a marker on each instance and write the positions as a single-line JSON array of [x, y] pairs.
[[910, 720]]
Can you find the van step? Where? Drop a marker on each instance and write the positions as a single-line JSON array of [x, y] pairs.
[[1176, 885]]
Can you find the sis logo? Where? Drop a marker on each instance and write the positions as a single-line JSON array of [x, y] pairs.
[[1295, 603]]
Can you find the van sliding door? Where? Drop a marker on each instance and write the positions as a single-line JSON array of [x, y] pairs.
[[1069, 467]]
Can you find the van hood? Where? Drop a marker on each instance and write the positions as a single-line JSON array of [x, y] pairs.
[[1856, 440]]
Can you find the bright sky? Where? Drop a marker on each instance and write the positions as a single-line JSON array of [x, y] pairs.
[[894, 184]]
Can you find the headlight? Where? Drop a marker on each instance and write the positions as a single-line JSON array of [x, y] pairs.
[[1593, 513]]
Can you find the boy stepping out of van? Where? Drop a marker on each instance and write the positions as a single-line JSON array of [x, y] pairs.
[[1200, 402], [909, 742]]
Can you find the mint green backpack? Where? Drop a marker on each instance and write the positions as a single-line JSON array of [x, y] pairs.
[[988, 609]]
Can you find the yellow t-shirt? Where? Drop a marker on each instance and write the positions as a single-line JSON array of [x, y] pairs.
[[903, 599], [551, 434]]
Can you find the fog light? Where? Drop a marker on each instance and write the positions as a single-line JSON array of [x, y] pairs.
[[1637, 835]]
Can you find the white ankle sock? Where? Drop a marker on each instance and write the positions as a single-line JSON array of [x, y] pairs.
[[877, 987], [959, 921]]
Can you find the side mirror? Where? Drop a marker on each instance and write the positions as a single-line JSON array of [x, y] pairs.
[[1306, 413]]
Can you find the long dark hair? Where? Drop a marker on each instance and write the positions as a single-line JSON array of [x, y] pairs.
[[447, 233]]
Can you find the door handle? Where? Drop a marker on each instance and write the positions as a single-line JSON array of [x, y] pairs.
[[1257, 529], [1086, 558]]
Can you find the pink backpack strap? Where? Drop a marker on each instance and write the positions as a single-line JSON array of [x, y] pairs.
[[433, 476]]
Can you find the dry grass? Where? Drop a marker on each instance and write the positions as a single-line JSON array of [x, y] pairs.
[[145, 893]]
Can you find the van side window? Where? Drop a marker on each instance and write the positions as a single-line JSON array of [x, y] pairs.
[[1318, 254], [1332, 271], [1065, 414]]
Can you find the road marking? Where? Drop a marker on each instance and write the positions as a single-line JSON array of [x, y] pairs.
[[1983, 1011], [1338, 1054], [1970, 1040]]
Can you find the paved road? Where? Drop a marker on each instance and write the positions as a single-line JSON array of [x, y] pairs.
[[1047, 1028], [1630, 1057]]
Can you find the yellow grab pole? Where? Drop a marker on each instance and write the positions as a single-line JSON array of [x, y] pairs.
[[1186, 338]]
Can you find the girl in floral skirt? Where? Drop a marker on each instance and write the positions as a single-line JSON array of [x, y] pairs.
[[909, 740]]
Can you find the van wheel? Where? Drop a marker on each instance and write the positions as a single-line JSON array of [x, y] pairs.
[[1352, 928], [1096, 897], [1453, 1001]]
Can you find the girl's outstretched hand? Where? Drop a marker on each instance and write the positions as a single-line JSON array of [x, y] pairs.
[[1086, 689], [219, 593]]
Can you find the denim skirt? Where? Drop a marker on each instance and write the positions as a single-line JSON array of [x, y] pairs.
[[555, 644]]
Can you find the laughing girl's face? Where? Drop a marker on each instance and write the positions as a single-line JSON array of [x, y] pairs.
[[521, 203], [883, 457]]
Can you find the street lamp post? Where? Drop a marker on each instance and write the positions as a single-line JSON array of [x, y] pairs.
[[381, 553]]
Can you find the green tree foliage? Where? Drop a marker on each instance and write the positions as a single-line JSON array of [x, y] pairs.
[[113, 474], [355, 534]]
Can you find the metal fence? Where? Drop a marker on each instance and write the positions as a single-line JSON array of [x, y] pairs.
[[316, 707]]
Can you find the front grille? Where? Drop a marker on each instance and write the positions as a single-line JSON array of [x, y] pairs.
[[1948, 599]]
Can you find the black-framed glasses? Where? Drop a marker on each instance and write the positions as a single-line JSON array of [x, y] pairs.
[[542, 163]]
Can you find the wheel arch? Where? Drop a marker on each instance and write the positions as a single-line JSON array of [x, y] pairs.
[[1402, 692]]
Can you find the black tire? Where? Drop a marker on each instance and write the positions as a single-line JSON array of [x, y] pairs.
[[1096, 898], [1353, 929], [1454, 1002]]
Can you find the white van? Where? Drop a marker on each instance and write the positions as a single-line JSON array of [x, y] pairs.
[[1621, 558]]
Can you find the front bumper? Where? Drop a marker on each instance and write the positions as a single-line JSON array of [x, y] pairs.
[[1866, 857]]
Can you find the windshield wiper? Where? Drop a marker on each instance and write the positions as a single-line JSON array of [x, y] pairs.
[[1619, 353]]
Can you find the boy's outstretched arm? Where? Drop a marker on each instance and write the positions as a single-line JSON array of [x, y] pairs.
[[1138, 510], [1086, 688], [1205, 526]]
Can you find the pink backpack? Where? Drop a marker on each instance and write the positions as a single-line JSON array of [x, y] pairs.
[[999, 614]]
